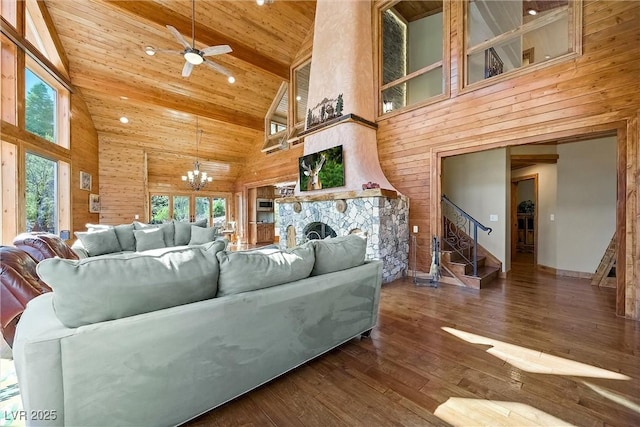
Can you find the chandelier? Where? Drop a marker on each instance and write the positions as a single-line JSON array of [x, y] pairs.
[[195, 179]]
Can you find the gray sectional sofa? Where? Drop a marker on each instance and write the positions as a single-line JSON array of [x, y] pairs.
[[160, 337], [101, 239]]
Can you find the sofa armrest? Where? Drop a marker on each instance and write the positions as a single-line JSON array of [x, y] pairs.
[[79, 249]]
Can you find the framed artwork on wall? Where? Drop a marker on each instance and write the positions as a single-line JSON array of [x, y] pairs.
[[94, 203], [85, 181]]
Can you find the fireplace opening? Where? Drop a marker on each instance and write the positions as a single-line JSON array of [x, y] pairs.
[[318, 231]]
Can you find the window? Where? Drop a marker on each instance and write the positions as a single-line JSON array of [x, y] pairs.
[[181, 208], [505, 35], [41, 193], [159, 209], [203, 209], [412, 52], [301, 91], [40, 107], [219, 212], [276, 120]]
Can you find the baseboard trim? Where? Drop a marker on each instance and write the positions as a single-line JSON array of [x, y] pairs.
[[565, 273]]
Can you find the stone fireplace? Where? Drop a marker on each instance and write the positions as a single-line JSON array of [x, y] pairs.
[[342, 68]]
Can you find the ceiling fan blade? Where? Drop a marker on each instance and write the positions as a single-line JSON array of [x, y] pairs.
[[186, 70], [219, 68], [178, 36], [216, 50]]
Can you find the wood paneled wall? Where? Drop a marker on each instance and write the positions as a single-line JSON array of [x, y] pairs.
[[84, 157], [597, 92]]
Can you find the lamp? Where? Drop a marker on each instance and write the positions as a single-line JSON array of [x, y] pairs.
[[195, 179]]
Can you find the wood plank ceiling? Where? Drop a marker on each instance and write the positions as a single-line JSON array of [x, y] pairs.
[[105, 40]]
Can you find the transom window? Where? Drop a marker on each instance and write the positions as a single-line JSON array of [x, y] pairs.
[[411, 53], [505, 35]]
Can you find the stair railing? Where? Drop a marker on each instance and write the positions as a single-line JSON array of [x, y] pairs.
[[460, 232]]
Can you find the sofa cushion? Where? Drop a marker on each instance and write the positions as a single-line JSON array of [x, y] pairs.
[[110, 287], [338, 253], [149, 238], [251, 270], [167, 228], [200, 235], [127, 240], [183, 230], [99, 242]]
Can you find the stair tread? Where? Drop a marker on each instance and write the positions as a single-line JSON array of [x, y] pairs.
[[485, 271]]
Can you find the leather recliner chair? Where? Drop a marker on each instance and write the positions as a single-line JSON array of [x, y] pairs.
[[43, 245], [19, 285]]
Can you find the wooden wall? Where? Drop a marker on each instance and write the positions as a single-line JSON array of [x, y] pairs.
[[84, 157], [598, 92]]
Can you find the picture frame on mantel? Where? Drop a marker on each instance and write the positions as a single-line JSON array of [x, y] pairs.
[[85, 181], [94, 203]]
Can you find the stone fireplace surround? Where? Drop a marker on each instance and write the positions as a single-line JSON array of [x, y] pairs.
[[381, 214]]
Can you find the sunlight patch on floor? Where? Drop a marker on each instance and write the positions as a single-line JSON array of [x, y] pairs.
[[614, 397], [536, 361], [459, 411]]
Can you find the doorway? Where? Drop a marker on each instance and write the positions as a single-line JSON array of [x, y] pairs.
[[524, 219]]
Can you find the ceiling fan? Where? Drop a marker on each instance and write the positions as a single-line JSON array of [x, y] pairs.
[[192, 55]]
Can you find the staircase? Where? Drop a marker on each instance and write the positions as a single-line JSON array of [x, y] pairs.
[[466, 262]]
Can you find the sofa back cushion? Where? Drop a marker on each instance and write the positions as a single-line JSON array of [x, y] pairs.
[[110, 287], [124, 232], [200, 235], [338, 253], [183, 230], [99, 242], [251, 270], [167, 228], [148, 239]]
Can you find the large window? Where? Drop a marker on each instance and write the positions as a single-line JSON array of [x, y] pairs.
[[411, 54], [40, 107], [165, 207], [505, 35], [41, 193]]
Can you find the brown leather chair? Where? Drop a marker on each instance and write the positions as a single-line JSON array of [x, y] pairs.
[[19, 284], [44, 245]]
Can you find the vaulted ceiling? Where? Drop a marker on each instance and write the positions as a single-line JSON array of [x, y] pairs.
[[104, 41]]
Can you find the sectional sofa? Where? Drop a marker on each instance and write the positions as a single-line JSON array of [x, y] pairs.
[[159, 337]]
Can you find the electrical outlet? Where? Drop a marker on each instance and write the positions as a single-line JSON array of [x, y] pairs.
[[136, 216]]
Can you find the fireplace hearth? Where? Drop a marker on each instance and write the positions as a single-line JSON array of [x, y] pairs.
[[382, 215]]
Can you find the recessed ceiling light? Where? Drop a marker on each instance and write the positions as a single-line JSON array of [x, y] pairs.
[[124, 120], [124, 98], [298, 98], [532, 11], [231, 79], [547, 57], [149, 51]]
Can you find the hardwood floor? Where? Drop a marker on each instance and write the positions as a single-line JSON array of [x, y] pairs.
[[531, 349]]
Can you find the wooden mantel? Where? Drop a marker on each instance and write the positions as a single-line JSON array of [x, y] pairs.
[[373, 192]]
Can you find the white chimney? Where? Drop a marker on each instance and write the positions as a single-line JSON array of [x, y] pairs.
[[342, 63]]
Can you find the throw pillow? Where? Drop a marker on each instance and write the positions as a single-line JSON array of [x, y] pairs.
[[338, 253], [149, 238], [114, 286], [201, 235], [248, 271], [99, 242], [127, 240], [167, 228], [183, 230]]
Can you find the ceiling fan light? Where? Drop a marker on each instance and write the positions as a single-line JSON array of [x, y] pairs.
[[231, 79], [193, 58]]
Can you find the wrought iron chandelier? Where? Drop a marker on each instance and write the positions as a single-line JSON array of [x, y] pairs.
[[195, 179]]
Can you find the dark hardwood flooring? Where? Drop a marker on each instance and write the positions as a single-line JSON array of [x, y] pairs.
[[531, 349]]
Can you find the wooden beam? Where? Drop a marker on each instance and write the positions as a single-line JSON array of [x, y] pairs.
[[162, 98], [163, 16], [533, 158], [51, 29]]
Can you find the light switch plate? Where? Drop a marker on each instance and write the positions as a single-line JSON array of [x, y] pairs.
[[493, 218]]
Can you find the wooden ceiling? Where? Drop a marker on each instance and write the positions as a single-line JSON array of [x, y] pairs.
[[104, 41]]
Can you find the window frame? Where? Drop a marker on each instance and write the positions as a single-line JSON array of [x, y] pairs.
[[192, 203], [445, 63], [575, 42]]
